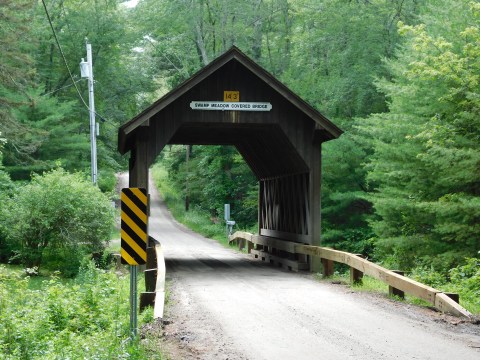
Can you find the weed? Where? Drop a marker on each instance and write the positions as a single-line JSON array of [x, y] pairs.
[[83, 318]]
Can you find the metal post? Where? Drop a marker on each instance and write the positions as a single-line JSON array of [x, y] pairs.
[[133, 301], [91, 105]]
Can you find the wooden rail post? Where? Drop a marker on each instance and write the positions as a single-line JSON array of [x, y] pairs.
[[241, 244], [249, 247], [147, 298], [356, 275], [455, 297], [327, 267], [394, 291]]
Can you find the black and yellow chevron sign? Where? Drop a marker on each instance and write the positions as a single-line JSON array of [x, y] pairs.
[[134, 226]]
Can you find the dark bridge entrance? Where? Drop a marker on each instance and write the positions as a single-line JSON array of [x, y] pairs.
[[276, 132]]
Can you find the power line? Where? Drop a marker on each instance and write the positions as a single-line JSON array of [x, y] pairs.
[[62, 54], [61, 88], [66, 64]]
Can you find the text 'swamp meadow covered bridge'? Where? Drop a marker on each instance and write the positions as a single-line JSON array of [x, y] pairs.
[[233, 101]]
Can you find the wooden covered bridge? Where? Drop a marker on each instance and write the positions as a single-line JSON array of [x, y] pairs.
[[233, 101]]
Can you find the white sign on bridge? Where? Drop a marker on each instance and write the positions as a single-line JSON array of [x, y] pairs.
[[237, 106]]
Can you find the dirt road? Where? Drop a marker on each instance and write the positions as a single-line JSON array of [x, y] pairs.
[[225, 305]]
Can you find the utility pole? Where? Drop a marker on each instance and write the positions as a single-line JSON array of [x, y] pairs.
[[86, 69]]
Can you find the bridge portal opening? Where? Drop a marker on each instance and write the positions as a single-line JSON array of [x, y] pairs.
[[207, 178]]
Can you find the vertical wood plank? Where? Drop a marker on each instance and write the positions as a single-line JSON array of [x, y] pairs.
[[139, 161], [394, 291], [315, 200], [326, 265], [356, 276]]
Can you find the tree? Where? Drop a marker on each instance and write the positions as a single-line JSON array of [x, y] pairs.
[[426, 151], [43, 108], [17, 73], [6, 190], [183, 36], [337, 51]]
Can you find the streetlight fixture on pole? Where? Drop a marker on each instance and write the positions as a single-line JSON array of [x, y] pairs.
[[86, 70]]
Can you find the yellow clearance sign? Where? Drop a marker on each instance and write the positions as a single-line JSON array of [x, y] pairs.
[[134, 226], [231, 96]]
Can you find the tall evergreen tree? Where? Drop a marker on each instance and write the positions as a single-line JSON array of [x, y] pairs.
[[427, 154], [17, 73]]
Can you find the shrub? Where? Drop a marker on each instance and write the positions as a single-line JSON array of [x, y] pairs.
[[58, 218], [107, 180], [465, 280]]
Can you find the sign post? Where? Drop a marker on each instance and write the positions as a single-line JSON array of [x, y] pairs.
[[133, 301], [134, 241]]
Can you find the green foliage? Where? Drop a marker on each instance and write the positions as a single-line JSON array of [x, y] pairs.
[[428, 276], [6, 190], [212, 177], [86, 318], [424, 168], [339, 49], [199, 31], [40, 106], [107, 181], [56, 219], [345, 207], [463, 279], [17, 73], [196, 219]]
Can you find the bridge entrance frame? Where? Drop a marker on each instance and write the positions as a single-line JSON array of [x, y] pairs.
[[282, 146]]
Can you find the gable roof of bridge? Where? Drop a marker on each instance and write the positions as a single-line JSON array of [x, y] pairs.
[[324, 126]]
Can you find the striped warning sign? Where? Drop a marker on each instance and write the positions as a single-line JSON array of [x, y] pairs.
[[134, 226]]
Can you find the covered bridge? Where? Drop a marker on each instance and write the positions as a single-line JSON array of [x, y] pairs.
[[234, 101]]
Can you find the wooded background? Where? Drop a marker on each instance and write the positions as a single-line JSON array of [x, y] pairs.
[[401, 77]]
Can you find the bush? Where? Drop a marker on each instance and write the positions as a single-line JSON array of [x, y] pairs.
[[463, 279], [107, 180], [56, 219]]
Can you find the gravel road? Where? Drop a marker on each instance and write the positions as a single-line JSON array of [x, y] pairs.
[[226, 305]]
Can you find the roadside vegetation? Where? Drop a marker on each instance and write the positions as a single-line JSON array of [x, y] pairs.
[[83, 318], [54, 221], [60, 295]]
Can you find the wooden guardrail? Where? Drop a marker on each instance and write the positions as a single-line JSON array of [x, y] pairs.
[[398, 284], [154, 280]]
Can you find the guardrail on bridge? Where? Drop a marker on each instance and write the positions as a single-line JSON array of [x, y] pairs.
[[154, 280], [268, 248]]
